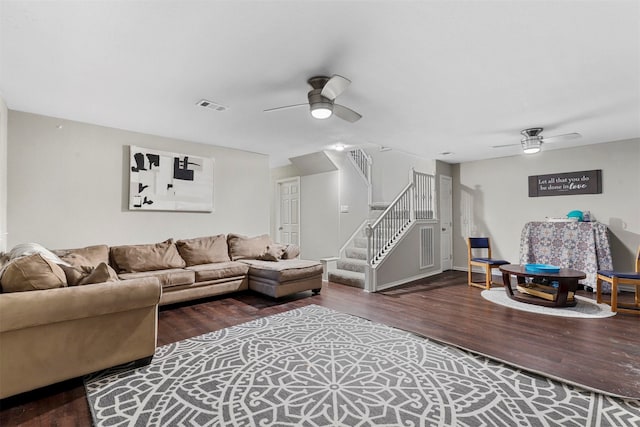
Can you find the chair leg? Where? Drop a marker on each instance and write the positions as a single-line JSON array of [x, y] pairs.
[[599, 290], [469, 273], [614, 294], [487, 277]]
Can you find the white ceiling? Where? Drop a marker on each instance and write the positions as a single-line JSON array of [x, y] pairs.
[[428, 76]]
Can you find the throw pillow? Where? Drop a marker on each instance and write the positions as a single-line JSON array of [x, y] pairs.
[[137, 258], [32, 273], [91, 255], [102, 273], [75, 274], [243, 247], [274, 252], [292, 251], [204, 250]]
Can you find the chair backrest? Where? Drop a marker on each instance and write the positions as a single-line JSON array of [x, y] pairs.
[[478, 243]]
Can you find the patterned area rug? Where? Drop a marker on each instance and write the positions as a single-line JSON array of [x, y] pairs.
[[317, 367], [585, 308]]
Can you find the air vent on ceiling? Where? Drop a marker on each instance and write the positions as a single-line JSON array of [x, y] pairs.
[[212, 105]]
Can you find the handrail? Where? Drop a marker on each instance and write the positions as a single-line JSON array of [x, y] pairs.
[[393, 221], [404, 190], [362, 162]]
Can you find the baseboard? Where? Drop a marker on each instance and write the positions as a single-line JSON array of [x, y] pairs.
[[407, 280]]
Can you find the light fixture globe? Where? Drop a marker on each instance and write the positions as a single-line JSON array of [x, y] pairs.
[[531, 146], [532, 140], [321, 107], [321, 110]]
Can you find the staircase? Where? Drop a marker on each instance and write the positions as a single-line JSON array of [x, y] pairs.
[[374, 239], [352, 263]]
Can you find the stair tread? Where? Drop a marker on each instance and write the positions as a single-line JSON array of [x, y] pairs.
[[347, 277], [346, 273], [354, 260]]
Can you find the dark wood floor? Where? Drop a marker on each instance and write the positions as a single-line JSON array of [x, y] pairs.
[[600, 353]]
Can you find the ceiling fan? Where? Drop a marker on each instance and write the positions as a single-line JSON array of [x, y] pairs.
[[532, 140], [322, 96]]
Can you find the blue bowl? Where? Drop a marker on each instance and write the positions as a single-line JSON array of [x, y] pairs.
[[541, 268]]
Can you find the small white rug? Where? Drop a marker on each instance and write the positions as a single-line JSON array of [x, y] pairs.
[[585, 308]]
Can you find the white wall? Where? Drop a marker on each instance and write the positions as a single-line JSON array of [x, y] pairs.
[[353, 194], [3, 175], [68, 187], [319, 226], [495, 195], [391, 172], [402, 265]]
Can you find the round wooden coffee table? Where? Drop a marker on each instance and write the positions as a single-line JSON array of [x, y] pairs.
[[557, 292]]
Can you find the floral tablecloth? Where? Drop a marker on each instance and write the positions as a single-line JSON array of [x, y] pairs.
[[582, 246]]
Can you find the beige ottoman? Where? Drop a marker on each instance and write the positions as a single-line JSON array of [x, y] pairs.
[[284, 277]]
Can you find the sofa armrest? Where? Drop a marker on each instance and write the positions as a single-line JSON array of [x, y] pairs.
[[20, 310]]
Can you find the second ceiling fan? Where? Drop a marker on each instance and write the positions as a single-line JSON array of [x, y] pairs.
[[532, 140], [322, 96]]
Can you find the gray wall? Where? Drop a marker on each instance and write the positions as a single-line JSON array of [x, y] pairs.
[[493, 194], [3, 175], [391, 172], [319, 201], [68, 187]]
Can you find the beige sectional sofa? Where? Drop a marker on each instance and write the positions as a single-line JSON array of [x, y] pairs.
[[215, 265], [67, 313], [52, 335]]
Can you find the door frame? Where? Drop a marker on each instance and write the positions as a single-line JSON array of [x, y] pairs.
[[278, 207], [450, 225]]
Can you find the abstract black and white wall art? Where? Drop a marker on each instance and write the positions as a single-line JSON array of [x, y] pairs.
[[165, 181]]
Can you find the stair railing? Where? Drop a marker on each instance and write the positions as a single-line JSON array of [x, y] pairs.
[[390, 224], [362, 162], [415, 202], [425, 190]]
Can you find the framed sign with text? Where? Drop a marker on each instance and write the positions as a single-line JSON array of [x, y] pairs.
[[567, 183]]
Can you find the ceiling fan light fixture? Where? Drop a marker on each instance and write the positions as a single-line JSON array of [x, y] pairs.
[[321, 110], [531, 145]]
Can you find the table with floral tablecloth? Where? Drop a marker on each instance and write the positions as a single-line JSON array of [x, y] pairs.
[[582, 246]]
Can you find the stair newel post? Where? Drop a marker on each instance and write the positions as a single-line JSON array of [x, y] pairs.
[[369, 183], [412, 202], [368, 279], [369, 234]]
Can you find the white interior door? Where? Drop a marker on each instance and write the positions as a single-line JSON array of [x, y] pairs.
[[288, 215], [446, 222]]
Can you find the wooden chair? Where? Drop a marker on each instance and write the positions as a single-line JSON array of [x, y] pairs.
[[620, 278], [476, 244]]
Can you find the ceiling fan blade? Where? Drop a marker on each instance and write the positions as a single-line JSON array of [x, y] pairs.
[[286, 107], [346, 113], [562, 137], [503, 146], [335, 86]]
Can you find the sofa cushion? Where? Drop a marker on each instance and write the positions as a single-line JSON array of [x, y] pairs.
[[291, 251], [283, 270], [168, 278], [219, 270], [204, 250], [90, 255], [273, 252], [243, 247], [31, 273], [149, 257], [84, 275]]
